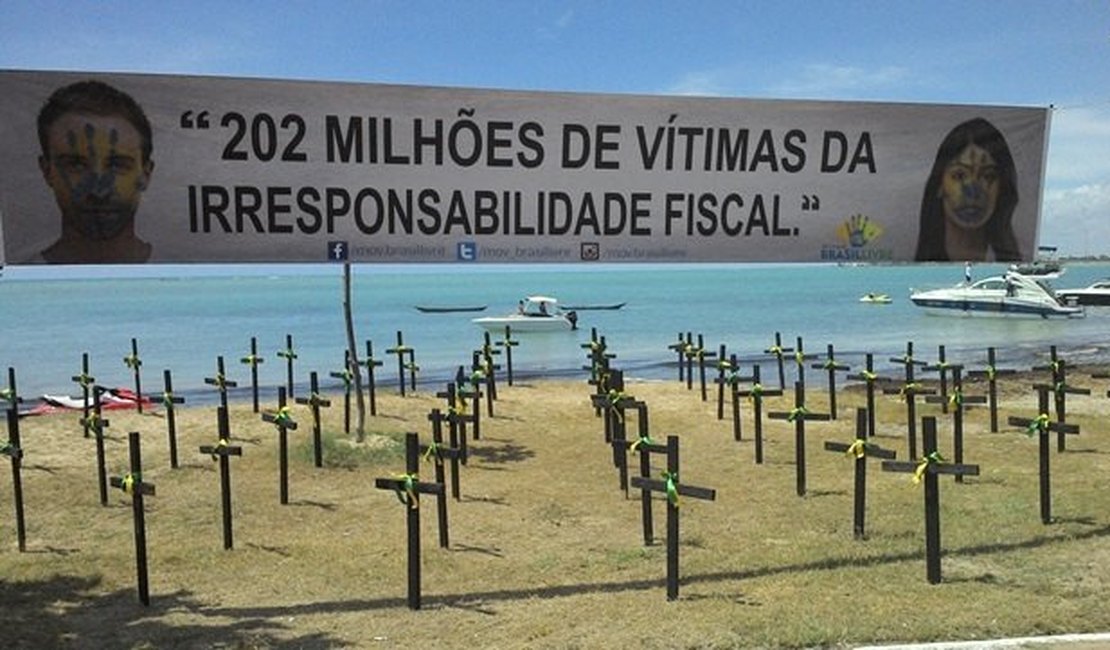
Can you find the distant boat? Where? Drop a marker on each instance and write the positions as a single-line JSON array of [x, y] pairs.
[[427, 309], [875, 298], [534, 314], [1012, 294], [616, 305], [1098, 293], [1044, 267]]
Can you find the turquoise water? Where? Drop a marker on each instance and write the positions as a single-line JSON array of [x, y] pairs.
[[184, 323]]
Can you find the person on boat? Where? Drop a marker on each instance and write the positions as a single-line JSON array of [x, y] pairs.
[[969, 198], [95, 155]]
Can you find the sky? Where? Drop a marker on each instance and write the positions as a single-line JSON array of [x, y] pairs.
[[1015, 53]]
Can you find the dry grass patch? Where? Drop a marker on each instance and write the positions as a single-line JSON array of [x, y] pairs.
[[545, 550]]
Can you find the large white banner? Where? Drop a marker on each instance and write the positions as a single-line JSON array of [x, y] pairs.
[[111, 168]]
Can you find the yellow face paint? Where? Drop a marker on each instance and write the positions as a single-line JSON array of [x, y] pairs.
[[969, 188], [95, 166]]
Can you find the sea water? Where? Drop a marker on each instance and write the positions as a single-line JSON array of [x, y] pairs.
[[185, 318]]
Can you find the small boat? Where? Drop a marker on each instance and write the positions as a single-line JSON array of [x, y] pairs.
[[875, 298], [1044, 267], [1098, 293], [616, 305], [427, 309], [533, 314], [1011, 294]]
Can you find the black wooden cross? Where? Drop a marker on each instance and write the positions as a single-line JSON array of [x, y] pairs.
[[800, 358], [679, 348], [1041, 426], [725, 366], [435, 453], [86, 382], [132, 483], [457, 419], [777, 351], [408, 488], [468, 391], [508, 343], [253, 360], [133, 362], [860, 449], [282, 418], [487, 352], [169, 401], [289, 354], [97, 424], [347, 376], [909, 390], [959, 403], [831, 366], [669, 484], [13, 449], [756, 393], [482, 372], [221, 453], [402, 351], [1060, 390], [370, 364], [868, 376], [991, 372], [733, 378], [599, 364], [315, 401], [698, 354], [441, 451], [644, 446], [221, 382], [799, 415], [942, 368], [927, 469], [616, 404]]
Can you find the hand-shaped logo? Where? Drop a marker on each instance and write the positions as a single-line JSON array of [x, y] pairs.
[[858, 230]]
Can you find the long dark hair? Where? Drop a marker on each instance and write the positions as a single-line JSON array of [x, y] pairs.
[[999, 230]]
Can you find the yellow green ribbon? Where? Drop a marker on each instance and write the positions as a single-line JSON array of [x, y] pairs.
[[7, 394], [432, 452], [167, 399], [923, 465], [251, 360], [615, 396], [908, 388], [348, 377], [756, 393], [287, 354], [869, 376], [84, 380], [671, 481], [6, 448], [775, 350], [858, 448], [283, 417], [799, 358], [220, 381], [796, 412], [724, 365], [991, 372], [1038, 425], [830, 364], [127, 483], [642, 440], [408, 489], [92, 422], [219, 445], [956, 399], [132, 361]]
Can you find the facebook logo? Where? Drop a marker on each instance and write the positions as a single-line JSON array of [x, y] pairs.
[[337, 251], [466, 251]]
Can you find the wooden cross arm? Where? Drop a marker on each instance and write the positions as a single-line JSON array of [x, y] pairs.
[[910, 467], [441, 452], [215, 381], [372, 363], [623, 403], [692, 491], [314, 400], [988, 373], [143, 488], [15, 453], [272, 418], [765, 392], [909, 391], [830, 366], [734, 380], [869, 449], [863, 377], [172, 399], [398, 484], [936, 367], [222, 450], [965, 400], [459, 418], [1070, 390], [806, 415], [650, 447], [907, 361], [507, 342], [1058, 427]]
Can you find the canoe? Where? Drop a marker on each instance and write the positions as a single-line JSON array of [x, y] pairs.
[[447, 309]]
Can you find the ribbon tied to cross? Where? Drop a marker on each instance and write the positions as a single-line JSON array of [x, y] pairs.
[[222, 444], [283, 417], [923, 465], [128, 481], [167, 399], [251, 360], [1038, 425], [132, 361], [907, 390], [642, 440], [406, 491], [670, 479], [858, 448], [797, 412]]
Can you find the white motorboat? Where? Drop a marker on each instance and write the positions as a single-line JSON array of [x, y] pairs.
[[533, 314], [875, 298], [1011, 294], [1098, 293], [1044, 267]]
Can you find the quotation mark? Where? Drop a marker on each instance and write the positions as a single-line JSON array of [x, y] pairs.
[[199, 122], [811, 202]]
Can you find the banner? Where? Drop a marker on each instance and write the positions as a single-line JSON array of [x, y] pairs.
[[122, 168]]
